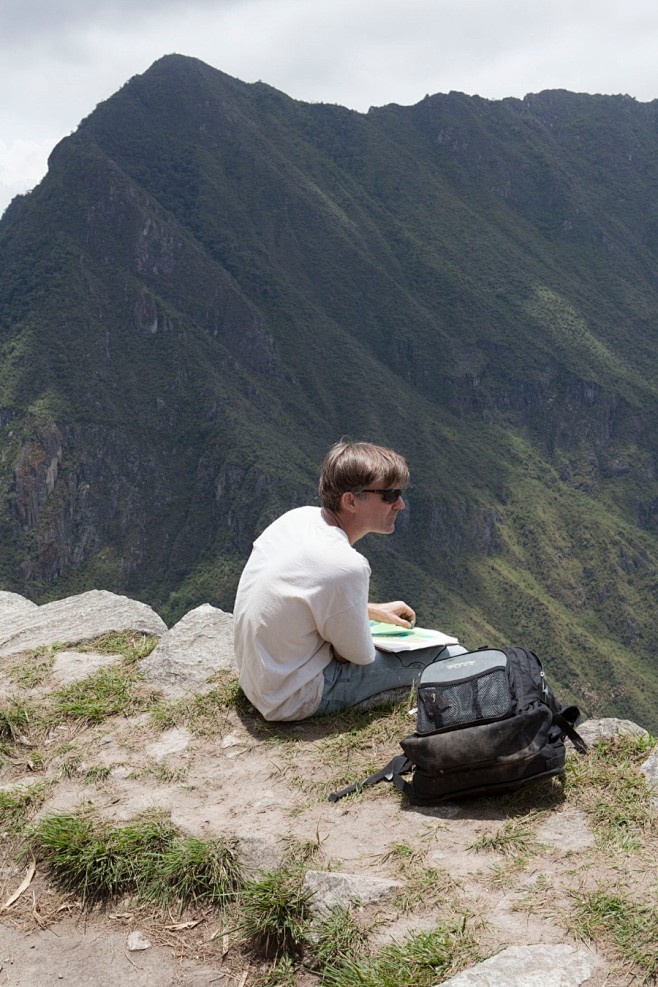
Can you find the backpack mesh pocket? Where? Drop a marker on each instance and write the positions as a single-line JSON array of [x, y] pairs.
[[483, 697]]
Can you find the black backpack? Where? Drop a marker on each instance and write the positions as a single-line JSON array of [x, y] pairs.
[[487, 721]]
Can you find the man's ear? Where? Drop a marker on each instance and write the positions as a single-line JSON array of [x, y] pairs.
[[348, 502]]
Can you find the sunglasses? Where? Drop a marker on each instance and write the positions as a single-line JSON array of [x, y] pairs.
[[388, 496]]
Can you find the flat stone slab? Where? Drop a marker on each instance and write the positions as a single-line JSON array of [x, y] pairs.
[[331, 888], [172, 741], [195, 649], [77, 618], [529, 966], [567, 830]]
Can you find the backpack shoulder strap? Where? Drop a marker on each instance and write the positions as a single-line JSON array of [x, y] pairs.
[[567, 728], [397, 766]]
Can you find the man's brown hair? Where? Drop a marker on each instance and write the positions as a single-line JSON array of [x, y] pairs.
[[352, 466]]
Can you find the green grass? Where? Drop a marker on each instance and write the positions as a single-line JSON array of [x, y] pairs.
[[33, 671], [421, 960], [423, 887], [149, 857], [131, 645], [108, 692], [15, 719], [352, 746], [337, 938], [274, 914], [281, 973], [514, 838], [609, 786], [426, 888], [626, 928], [94, 860], [204, 715], [192, 871], [74, 768], [19, 803], [36, 665]]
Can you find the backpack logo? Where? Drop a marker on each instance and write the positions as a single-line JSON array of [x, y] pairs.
[[461, 664]]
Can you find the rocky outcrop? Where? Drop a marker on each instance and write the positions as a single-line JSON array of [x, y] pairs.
[[13, 603], [191, 652], [35, 474], [76, 618]]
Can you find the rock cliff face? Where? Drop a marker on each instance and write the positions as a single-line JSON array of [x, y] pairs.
[[214, 282]]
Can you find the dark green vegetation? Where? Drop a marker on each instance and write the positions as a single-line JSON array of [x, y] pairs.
[[214, 282]]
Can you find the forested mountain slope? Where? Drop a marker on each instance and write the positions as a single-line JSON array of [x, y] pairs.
[[214, 282]]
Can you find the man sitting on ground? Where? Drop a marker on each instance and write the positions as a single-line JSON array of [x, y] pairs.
[[302, 634]]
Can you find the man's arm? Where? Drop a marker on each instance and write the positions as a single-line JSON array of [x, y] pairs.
[[397, 612]]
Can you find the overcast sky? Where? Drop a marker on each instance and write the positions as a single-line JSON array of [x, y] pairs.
[[60, 58]]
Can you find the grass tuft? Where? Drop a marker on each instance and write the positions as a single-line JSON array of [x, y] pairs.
[[99, 862], [14, 720], [282, 973], [203, 714], [337, 938], [627, 928], [275, 913], [191, 871], [419, 961], [17, 804], [33, 671], [108, 692], [92, 859], [131, 645], [514, 838]]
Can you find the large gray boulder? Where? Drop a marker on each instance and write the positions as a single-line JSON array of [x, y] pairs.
[[195, 648], [77, 618]]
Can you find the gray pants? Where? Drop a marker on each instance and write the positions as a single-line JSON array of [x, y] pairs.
[[347, 685]]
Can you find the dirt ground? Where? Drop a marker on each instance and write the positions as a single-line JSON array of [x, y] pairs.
[[267, 787]]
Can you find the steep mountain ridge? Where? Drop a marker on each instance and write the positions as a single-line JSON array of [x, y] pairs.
[[215, 281]]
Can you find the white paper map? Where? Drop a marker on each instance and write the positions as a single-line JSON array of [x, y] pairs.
[[390, 637]]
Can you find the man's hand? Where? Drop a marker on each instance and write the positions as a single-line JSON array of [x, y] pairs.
[[397, 612]]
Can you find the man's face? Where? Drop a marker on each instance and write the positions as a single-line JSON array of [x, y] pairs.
[[374, 514]]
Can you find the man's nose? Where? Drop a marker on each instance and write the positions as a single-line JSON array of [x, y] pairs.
[[399, 504]]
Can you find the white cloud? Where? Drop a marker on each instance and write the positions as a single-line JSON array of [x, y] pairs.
[[22, 166]]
